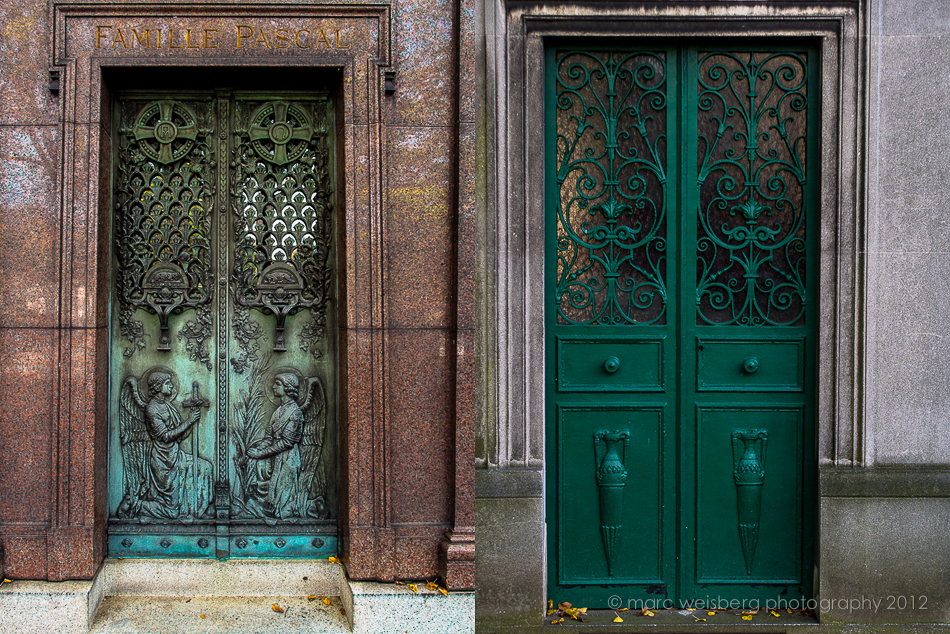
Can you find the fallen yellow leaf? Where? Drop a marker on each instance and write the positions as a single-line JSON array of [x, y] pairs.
[[432, 585], [444, 591], [749, 612], [647, 612], [550, 612], [334, 560], [326, 600], [774, 613], [202, 616], [413, 587], [622, 609], [618, 619], [747, 618], [312, 597], [276, 608], [710, 613], [700, 620], [8, 581], [556, 621], [550, 604]]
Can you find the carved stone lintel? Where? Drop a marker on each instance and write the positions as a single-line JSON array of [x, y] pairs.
[[457, 559]]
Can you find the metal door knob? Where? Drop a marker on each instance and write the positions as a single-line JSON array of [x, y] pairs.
[[612, 364], [750, 365]]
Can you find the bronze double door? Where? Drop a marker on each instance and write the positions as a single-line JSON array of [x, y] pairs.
[[223, 426]]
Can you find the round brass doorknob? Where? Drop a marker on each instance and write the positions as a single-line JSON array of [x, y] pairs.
[[750, 365], [612, 364]]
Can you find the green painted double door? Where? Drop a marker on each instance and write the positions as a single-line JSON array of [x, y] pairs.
[[680, 316], [222, 438]]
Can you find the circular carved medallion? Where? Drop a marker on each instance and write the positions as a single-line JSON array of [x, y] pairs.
[[280, 132], [165, 131]]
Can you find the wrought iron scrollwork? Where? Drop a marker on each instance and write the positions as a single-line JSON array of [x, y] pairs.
[[611, 178], [163, 225], [751, 218], [283, 216]]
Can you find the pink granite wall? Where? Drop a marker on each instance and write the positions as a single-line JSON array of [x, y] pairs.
[[407, 408]]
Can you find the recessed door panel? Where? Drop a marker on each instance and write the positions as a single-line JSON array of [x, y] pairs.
[[612, 458], [772, 364], [748, 493], [610, 364]]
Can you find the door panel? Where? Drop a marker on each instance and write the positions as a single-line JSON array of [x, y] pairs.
[[680, 322], [610, 364], [223, 389], [771, 549], [625, 516], [750, 364]]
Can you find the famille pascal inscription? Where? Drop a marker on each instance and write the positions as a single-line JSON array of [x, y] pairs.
[[243, 36]]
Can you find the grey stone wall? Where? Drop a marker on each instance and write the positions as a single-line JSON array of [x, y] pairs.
[[908, 335], [884, 401], [884, 527]]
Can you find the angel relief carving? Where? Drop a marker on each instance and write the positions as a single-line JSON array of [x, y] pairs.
[[161, 481], [280, 471]]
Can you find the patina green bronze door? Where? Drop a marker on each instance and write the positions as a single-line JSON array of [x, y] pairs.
[[223, 437], [681, 276]]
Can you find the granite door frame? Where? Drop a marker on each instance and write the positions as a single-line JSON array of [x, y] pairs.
[[75, 541], [510, 453]]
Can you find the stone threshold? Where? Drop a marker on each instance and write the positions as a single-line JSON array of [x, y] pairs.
[[729, 623], [167, 596]]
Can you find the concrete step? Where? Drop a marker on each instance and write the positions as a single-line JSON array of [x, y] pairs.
[[170, 596], [218, 615], [211, 578], [164, 596]]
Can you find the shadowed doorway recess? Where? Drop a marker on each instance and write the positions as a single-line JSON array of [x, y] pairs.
[[223, 419]]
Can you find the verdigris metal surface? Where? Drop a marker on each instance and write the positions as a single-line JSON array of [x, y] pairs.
[[223, 429]]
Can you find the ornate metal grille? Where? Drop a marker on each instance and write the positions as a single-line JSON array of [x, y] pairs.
[[283, 228], [611, 179], [751, 167], [163, 229]]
